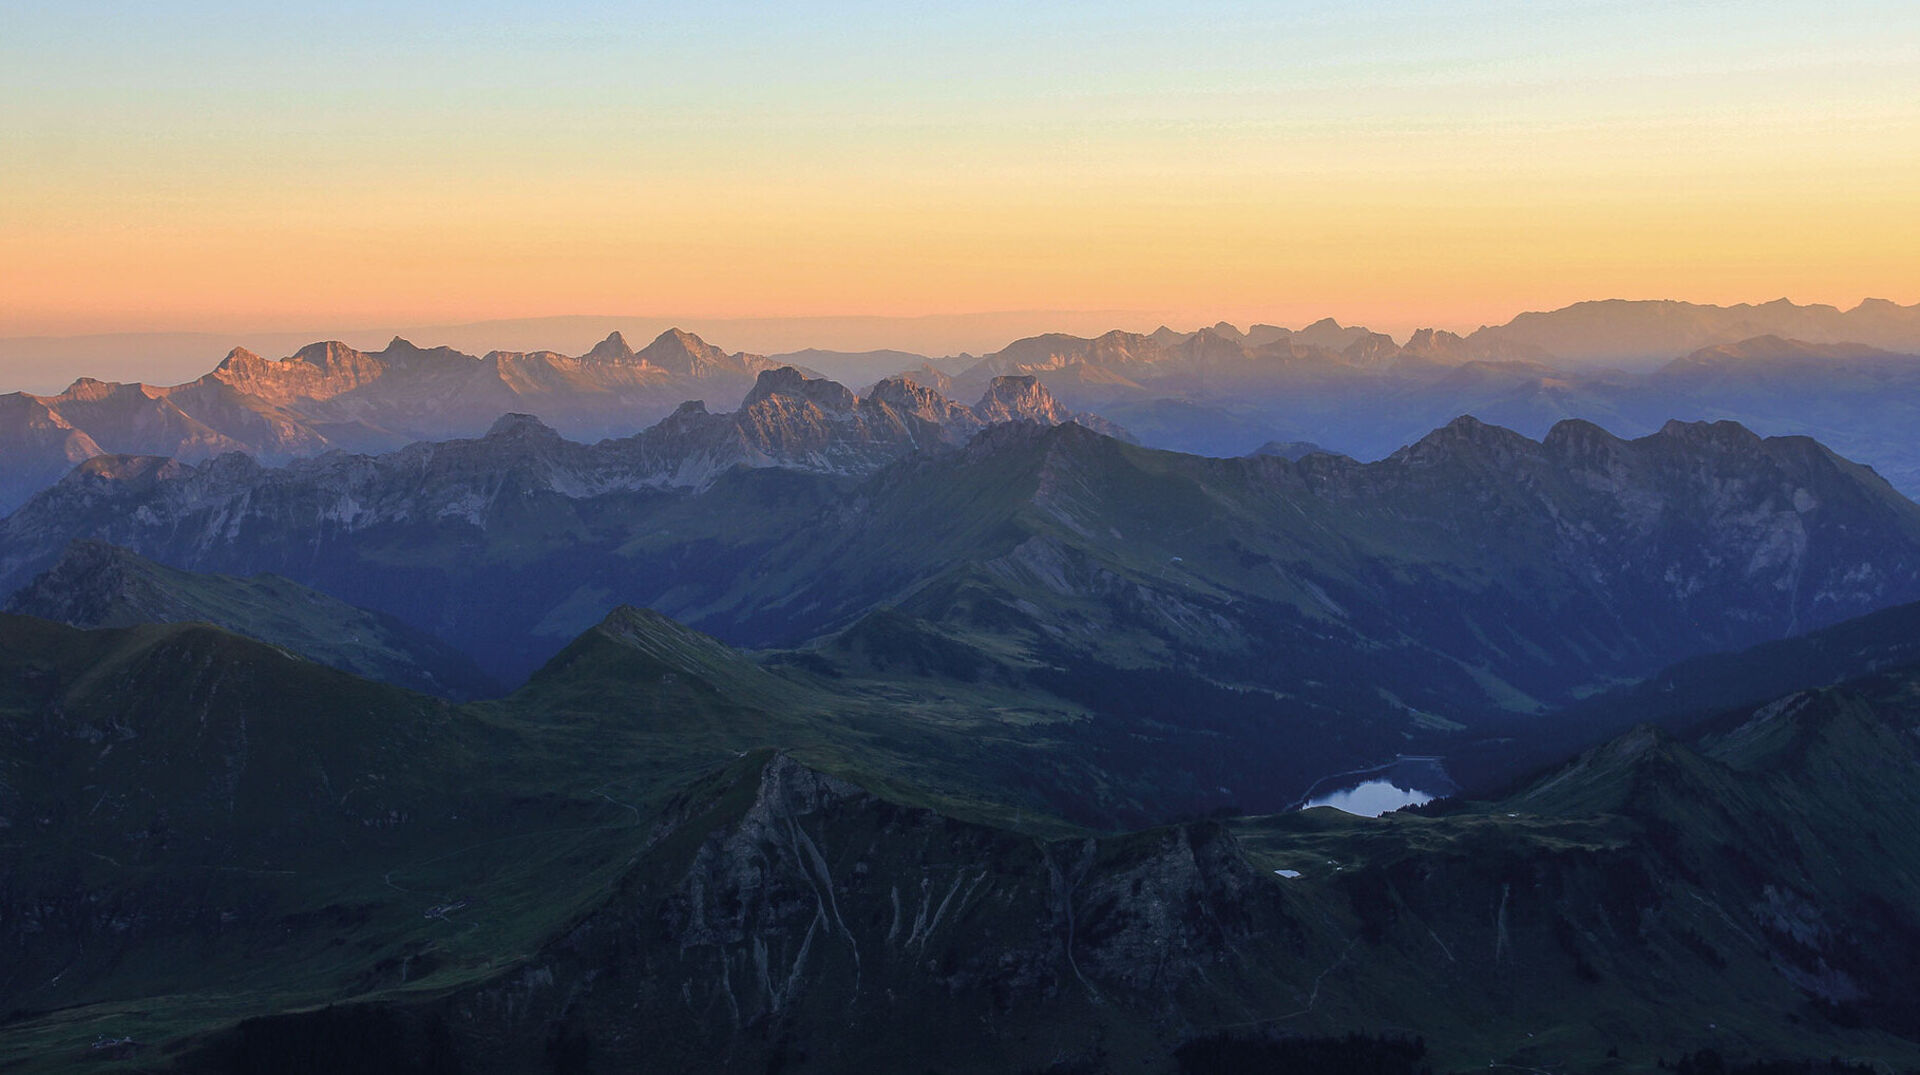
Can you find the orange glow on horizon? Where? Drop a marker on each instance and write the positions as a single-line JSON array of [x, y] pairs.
[[1418, 169]]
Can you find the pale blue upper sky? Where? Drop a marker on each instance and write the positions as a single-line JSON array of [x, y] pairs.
[[149, 118]]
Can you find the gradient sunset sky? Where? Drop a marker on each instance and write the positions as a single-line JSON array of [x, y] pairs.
[[223, 166]]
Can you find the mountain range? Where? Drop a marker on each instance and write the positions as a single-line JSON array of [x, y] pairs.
[[1218, 390], [610, 867], [1216, 393], [328, 395], [525, 713], [1307, 615]]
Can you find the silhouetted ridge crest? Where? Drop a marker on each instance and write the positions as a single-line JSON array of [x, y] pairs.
[[523, 426], [1467, 437], [1726, 436]]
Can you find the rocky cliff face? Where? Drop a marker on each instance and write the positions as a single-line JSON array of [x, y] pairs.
[[817, 920], [1653, 895]]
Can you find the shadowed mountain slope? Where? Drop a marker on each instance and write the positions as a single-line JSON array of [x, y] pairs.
[[1252, 623], [360, 876], [98, 585]]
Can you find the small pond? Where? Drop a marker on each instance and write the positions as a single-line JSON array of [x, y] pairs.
[[1382, 789]]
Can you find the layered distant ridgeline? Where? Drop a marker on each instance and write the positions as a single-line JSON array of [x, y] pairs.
[[1249, 624], [1843, 376], [1221, 392], [329, 395]]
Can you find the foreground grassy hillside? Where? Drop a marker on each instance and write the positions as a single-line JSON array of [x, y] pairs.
[[660, 854]]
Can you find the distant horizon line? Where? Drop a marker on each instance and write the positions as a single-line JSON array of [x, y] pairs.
[[1165, 319], [46, 363]]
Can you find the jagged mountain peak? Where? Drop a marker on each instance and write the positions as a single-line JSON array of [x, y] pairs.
[[239, 356], [90, 388], [681, 352], [326, 353], [1019, 397], [904, 393], [1430, 339], [828, 395], [612, 349]]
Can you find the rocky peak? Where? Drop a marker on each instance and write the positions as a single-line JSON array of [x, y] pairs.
[[612, 349], [906, 396], [830, 396], [1466, 437], [521, 426], [327, 354], [89, 389], [1011, 398], [1429, 341], [679, 352], [238, 357], [1371, 348]]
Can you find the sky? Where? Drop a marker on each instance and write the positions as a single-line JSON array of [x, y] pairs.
[[226, 167]]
